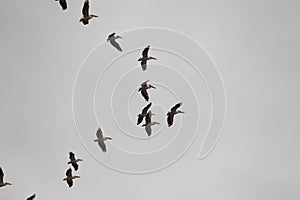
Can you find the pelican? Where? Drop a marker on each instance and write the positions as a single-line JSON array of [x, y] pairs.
[[73, 160], [100, 139], [143, 114], [31, 197], [2, 183], [63, 4], [143, 89], [149, 123], [70, 177], [145, 58], [112, 39], [173, 112], [85, 12]]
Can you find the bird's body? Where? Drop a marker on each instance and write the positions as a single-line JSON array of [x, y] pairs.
[[145, 58], [31, 197], [143, 114], [63, 4], [143, 89], [100, 139], [112, 39], [173, 112], [2, 183], [70, 177], [85, 12], [149, 123], [73, 160]]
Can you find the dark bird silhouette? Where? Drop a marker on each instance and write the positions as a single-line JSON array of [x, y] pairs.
[[85, 12], [31, 197], [149, 123], [143, 89], [145, 58], [143, 114], [100, 139], [173, 112], [70, 177], [63, 4], [73, 160], [2, 183], [112, 39]]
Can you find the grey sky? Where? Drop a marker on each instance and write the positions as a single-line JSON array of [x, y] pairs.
[[255, 45]]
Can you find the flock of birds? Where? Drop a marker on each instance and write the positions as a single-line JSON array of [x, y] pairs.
[[145, 114]]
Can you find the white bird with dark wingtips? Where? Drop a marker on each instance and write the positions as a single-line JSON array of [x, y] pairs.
[[143, 114], [85, 12], [112, 39], [173, 112], [70, 177], [149, 123], [143, 89], [145, 58], [31, 197], [63, 4], [100, 139], [74, 161], [2, 183]]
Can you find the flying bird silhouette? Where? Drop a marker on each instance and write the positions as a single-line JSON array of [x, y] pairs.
[[145, 58], [143, 114], [112, 39], [149, 123], [143, 89], [63, 4], [85, 12], [73, 160], [173, 112], [70, 177], [31, 197], [2, 183], [100, 139]]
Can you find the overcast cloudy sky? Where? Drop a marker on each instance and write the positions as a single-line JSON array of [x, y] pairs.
[[255, 46]]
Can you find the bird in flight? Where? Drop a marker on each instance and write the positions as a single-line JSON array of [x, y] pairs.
[[85, 12], [70, 177], [73, 160], [63, 4], [100, 139], [149, 123], [31, 197], [143, 114], [2, 183], [145, 58], [143, 89], [112, 39], [173, 112]]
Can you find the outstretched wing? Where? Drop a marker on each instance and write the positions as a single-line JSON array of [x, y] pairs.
[[148, 117], [1, 175], [99, 133], [144, 111], [102, 146], [69, 172], [174, 108], [63, 4], [116, 45], [140, 119], [72, 156], [145, 94], [75, 165], [31, 197], [170, 119], [145, 51], [144, 65], [148, 130], [85, 9]]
